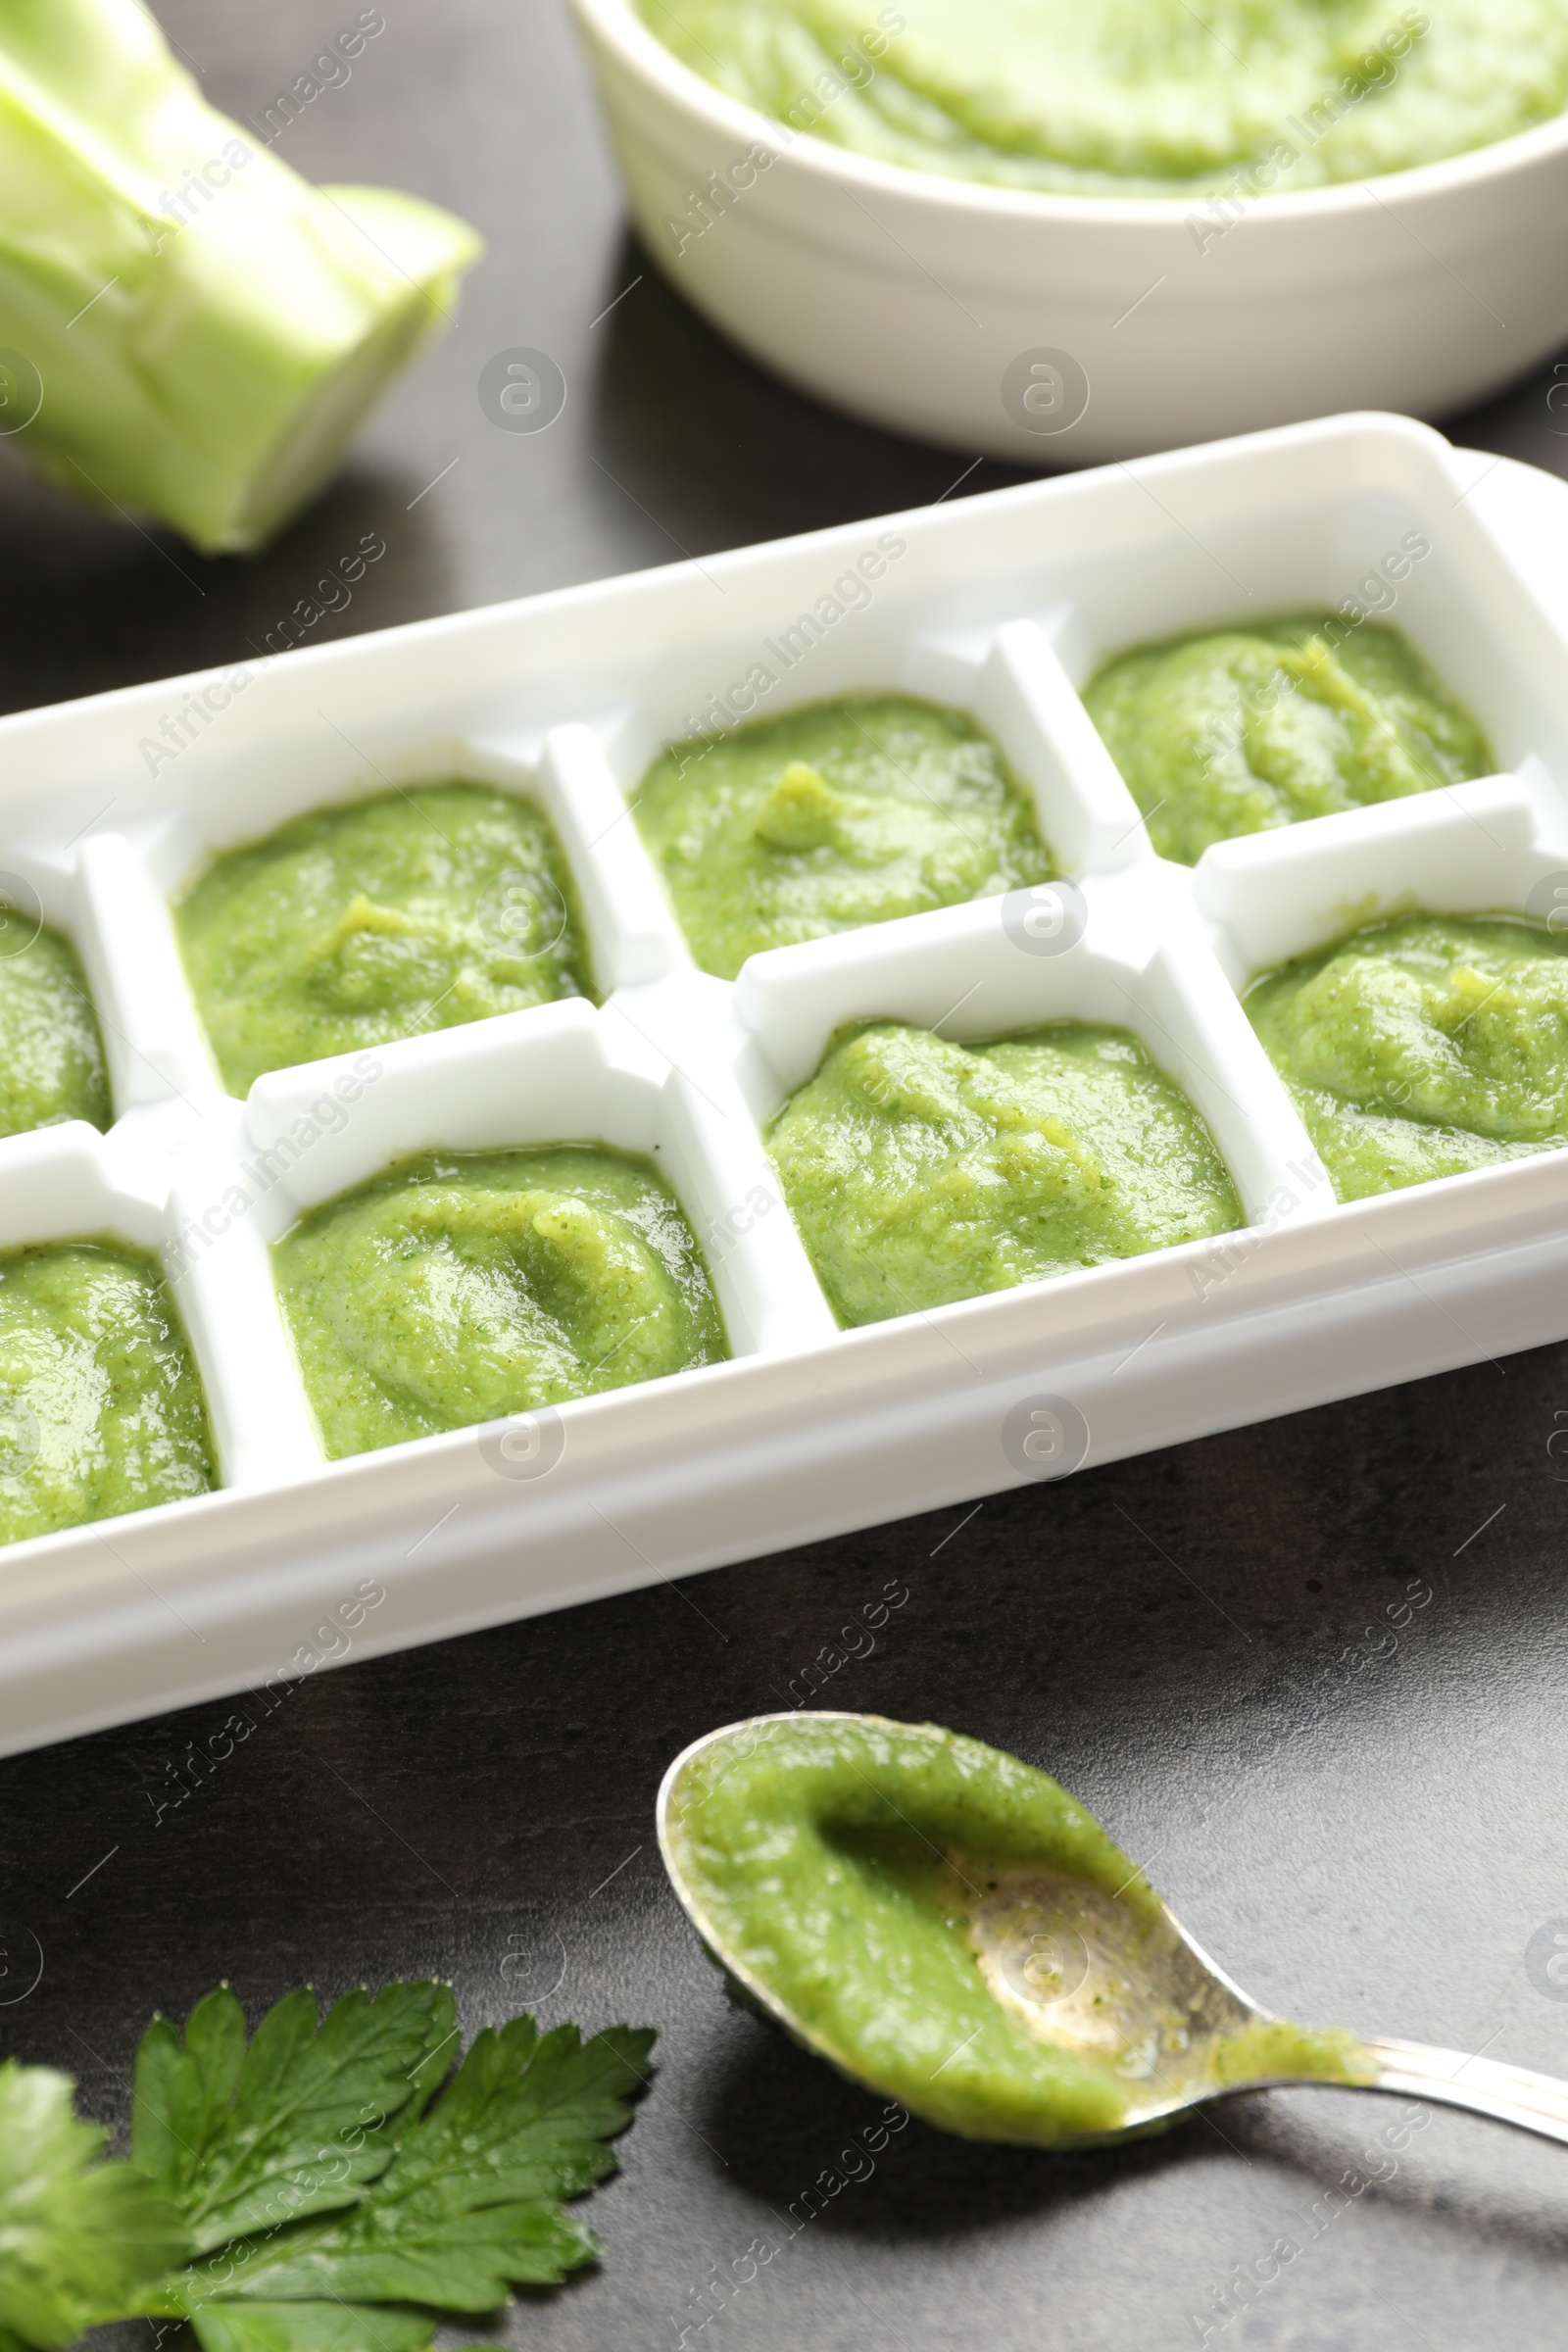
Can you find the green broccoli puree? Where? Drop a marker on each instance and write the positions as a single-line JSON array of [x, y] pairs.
[[833, 815], [1237, 730], [1423, 1047], [462, 1287], [880, 1881], [919, 1171], [101, 1410], [1131, 97], [351, 926], [51, 1053]]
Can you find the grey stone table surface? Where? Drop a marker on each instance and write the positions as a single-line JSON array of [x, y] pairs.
[[1314, 1673]]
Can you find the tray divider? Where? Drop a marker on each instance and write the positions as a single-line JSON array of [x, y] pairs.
[[1087, 817], [152, 1035], [635, 937]]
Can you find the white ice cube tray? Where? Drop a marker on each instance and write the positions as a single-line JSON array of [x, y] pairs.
[[1002, 605]]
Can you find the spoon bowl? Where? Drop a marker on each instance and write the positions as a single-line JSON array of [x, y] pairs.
[[1101, 1977], [1084, 1973]]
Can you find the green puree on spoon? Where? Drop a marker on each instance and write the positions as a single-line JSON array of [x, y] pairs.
[[948, 1925]]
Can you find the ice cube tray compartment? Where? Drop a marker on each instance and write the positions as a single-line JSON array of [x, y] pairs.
[[68, 1182], [126, 881], [560, 1073], [966, 974], [1001, 605], [1232, 548]]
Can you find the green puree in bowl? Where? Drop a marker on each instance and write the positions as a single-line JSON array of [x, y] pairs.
[[101, 1410], [919, 1171], [51, 1054], [462, 1287], [1423, 1047], [833, 815], [351, 926], [1134, 97], [1236, 730]]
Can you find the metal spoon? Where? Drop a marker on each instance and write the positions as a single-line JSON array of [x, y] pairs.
[[1090, 1976]]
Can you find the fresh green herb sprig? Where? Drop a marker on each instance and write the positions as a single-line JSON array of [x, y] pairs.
[[316, 2188], [80, 2240]]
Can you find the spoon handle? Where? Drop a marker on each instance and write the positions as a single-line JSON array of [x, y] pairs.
[[1510, 2095]]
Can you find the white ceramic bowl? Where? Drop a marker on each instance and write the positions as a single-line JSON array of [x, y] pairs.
[[933, 306]]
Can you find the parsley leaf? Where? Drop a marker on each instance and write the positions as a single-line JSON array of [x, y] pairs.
[[468, 2205], [245, 2140], [320, 2190], [79, 2240], [311, 2328]]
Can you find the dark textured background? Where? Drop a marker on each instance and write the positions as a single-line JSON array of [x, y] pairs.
[[1367, 1827]]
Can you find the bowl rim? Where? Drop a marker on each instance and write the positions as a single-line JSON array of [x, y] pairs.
[[618, 25]]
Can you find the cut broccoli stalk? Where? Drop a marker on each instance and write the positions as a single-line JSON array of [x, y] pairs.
[[191, 330]]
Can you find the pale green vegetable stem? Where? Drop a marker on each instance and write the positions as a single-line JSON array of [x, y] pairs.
[[188, 329]]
